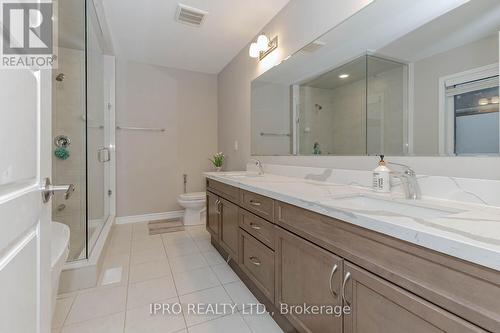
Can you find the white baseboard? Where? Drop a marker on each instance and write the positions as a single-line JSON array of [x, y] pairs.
[[149, 217]]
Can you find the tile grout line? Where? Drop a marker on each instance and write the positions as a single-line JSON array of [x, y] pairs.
[[196, 291], [128, 278], [82, 292], [173, 280], [67, 314], [213, 287]]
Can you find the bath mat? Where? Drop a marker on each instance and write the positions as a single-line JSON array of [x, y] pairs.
[[165, 226]]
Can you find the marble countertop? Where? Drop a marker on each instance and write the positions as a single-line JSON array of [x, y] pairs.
[[467, 231]]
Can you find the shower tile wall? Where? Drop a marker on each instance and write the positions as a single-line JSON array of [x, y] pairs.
[[339, 126], [68, 118], [353, 120]]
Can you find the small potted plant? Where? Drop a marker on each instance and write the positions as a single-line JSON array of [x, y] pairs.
[[217, 161]]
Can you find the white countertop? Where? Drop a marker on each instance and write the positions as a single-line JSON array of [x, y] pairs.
[[467, 231]]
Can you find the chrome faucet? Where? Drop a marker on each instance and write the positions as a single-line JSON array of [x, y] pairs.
[[259, 165], [409, 182]]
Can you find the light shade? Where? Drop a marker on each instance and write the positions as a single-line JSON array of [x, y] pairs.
[[483, 101], [253, 51], [344, 76], [494, 100], [262, 42]]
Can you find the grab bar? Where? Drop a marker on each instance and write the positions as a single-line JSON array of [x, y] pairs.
[[274, 134], [156, 129]]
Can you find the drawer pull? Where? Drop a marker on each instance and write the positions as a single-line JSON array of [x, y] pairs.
[[218, 205], [254, 226], [255, 261], [334, 269], [255, 203], [346, 278]]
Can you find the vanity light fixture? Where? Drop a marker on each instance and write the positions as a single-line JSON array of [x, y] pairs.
[[483, 101], [494, 100], [253, 51], [343, 76], [262, 47], [262, 42]]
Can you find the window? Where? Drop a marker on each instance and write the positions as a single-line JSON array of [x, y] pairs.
[[471, 121]]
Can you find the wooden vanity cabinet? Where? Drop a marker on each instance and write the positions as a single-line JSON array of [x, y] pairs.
[[380, 306], [257, 204], [222, 216], [213, 215], [296, 256], [306, 273], [229, 227], [257, 261]]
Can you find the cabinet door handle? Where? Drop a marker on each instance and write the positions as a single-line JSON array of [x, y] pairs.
[[334, 269], [254, 226], [255, 261], [255, 203], [217, 205], [346, 278]]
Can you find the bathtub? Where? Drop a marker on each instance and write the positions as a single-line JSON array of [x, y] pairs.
[[59, 251]]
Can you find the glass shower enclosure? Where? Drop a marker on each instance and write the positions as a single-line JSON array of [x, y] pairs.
[[359, 108], [81, 127]]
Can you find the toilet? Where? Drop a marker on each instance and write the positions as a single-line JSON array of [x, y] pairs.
[[59, 251], [194, 203]]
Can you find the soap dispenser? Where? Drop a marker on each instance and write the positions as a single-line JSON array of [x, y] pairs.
[[382, 177]]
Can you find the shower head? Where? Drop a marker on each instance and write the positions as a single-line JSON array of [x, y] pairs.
[[60, 77]]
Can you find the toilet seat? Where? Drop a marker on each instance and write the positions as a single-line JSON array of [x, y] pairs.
[[194, 196]]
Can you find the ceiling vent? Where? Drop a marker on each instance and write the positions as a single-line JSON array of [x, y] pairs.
[[190, 15], [313, 47]]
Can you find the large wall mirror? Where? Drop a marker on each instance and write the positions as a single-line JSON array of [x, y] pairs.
[[424, 82]]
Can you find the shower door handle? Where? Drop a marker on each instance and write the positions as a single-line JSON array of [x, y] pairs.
[[48, 190], [103, 155]]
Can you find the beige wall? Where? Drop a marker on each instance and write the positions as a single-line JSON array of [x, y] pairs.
[[150, 164], [297, 24], [271, 114]]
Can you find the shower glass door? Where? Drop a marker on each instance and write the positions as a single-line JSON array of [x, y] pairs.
[[80, 127], [98, 154], [69, 125]]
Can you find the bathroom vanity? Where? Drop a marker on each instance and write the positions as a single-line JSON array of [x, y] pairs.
[[357, 91], [400, 266]]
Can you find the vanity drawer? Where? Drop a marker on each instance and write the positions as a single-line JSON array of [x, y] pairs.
[[257, 227], [257, 261], [228, 192], [465, 289], [258, 204]]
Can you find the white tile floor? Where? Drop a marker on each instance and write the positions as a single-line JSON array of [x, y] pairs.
[[180, 267]]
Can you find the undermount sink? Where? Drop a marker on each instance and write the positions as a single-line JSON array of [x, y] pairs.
[[411, 209], [241, 175]]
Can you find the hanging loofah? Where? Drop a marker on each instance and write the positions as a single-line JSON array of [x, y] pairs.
[[61, 153]]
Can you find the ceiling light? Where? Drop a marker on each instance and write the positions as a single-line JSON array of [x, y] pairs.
[[253, 51], [483, 101], [343, 76], [262, 42], [494, 100]]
